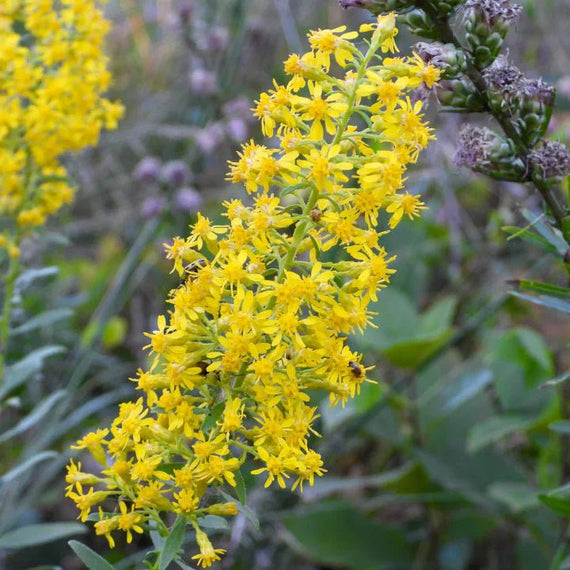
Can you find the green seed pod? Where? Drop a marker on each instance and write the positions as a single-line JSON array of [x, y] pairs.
[[420, 24], [460, 96]]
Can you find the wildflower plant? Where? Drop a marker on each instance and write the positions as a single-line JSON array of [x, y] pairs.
[[53, 76], [261, 316]]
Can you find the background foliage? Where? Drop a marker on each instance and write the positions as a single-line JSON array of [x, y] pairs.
[[448, 462]]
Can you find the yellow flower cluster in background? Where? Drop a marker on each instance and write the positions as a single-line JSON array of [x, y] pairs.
[[52, 77], [267, 299]]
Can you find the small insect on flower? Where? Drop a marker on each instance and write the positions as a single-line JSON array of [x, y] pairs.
[[191, 270], [356, 369]]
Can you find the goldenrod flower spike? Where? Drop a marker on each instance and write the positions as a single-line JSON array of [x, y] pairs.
[[261, 317], [52, 81]]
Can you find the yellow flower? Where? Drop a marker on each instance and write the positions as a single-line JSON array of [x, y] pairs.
[[208, 554], [264, 318]]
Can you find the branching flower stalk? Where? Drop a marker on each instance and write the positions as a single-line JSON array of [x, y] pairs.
[[264, 308], [478, 79], [53, 75]]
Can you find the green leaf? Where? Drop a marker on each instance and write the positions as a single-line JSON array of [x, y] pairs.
[[19, 372], [173, 543], [530, 237], [493, 429], [535, 347], [240, 488], [26, 467], [559, 504], [444, 473], [562, 426], [114, 332], [183, 565], [42, 320], [398, 319], [244, 509], [553, 237], [410, 354], [90, 558], [469, 386], [327, 486], [213, 417], [517, 497], [438, 318], [35, 534], [213, 522], [540, 287], [26, 278], [335, 534], [544, 301], [555, 381], [35, 416]]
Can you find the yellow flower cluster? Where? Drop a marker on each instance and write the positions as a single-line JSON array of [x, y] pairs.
[[52, 76], [264, 308]]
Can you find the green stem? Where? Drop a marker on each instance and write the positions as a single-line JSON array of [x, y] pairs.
[[9, 286]]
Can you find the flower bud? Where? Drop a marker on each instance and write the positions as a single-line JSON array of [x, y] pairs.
[[445, 7], [217, 39], [420, 24], [203, 82], [237, 129], [147, 170], [209, 138], [486, 24], [460, 95], [223, 509], [446, 57], [482, 150], [238, 108], [185, 11], [188, 199], [551, 160], [152, 206], [175, 173], [528, 101]]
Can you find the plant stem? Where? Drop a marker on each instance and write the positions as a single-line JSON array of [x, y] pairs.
[[9, 286], [546, 190]]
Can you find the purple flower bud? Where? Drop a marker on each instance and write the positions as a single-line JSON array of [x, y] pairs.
[[203, 82], [188, 199], [152, 206], [237, 130], [175, 173], [504, 78], [474, 147], [494, 11], [239, 107], [185, 10], [147, 170], [208, 139], [551, 160], [217, 39]]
